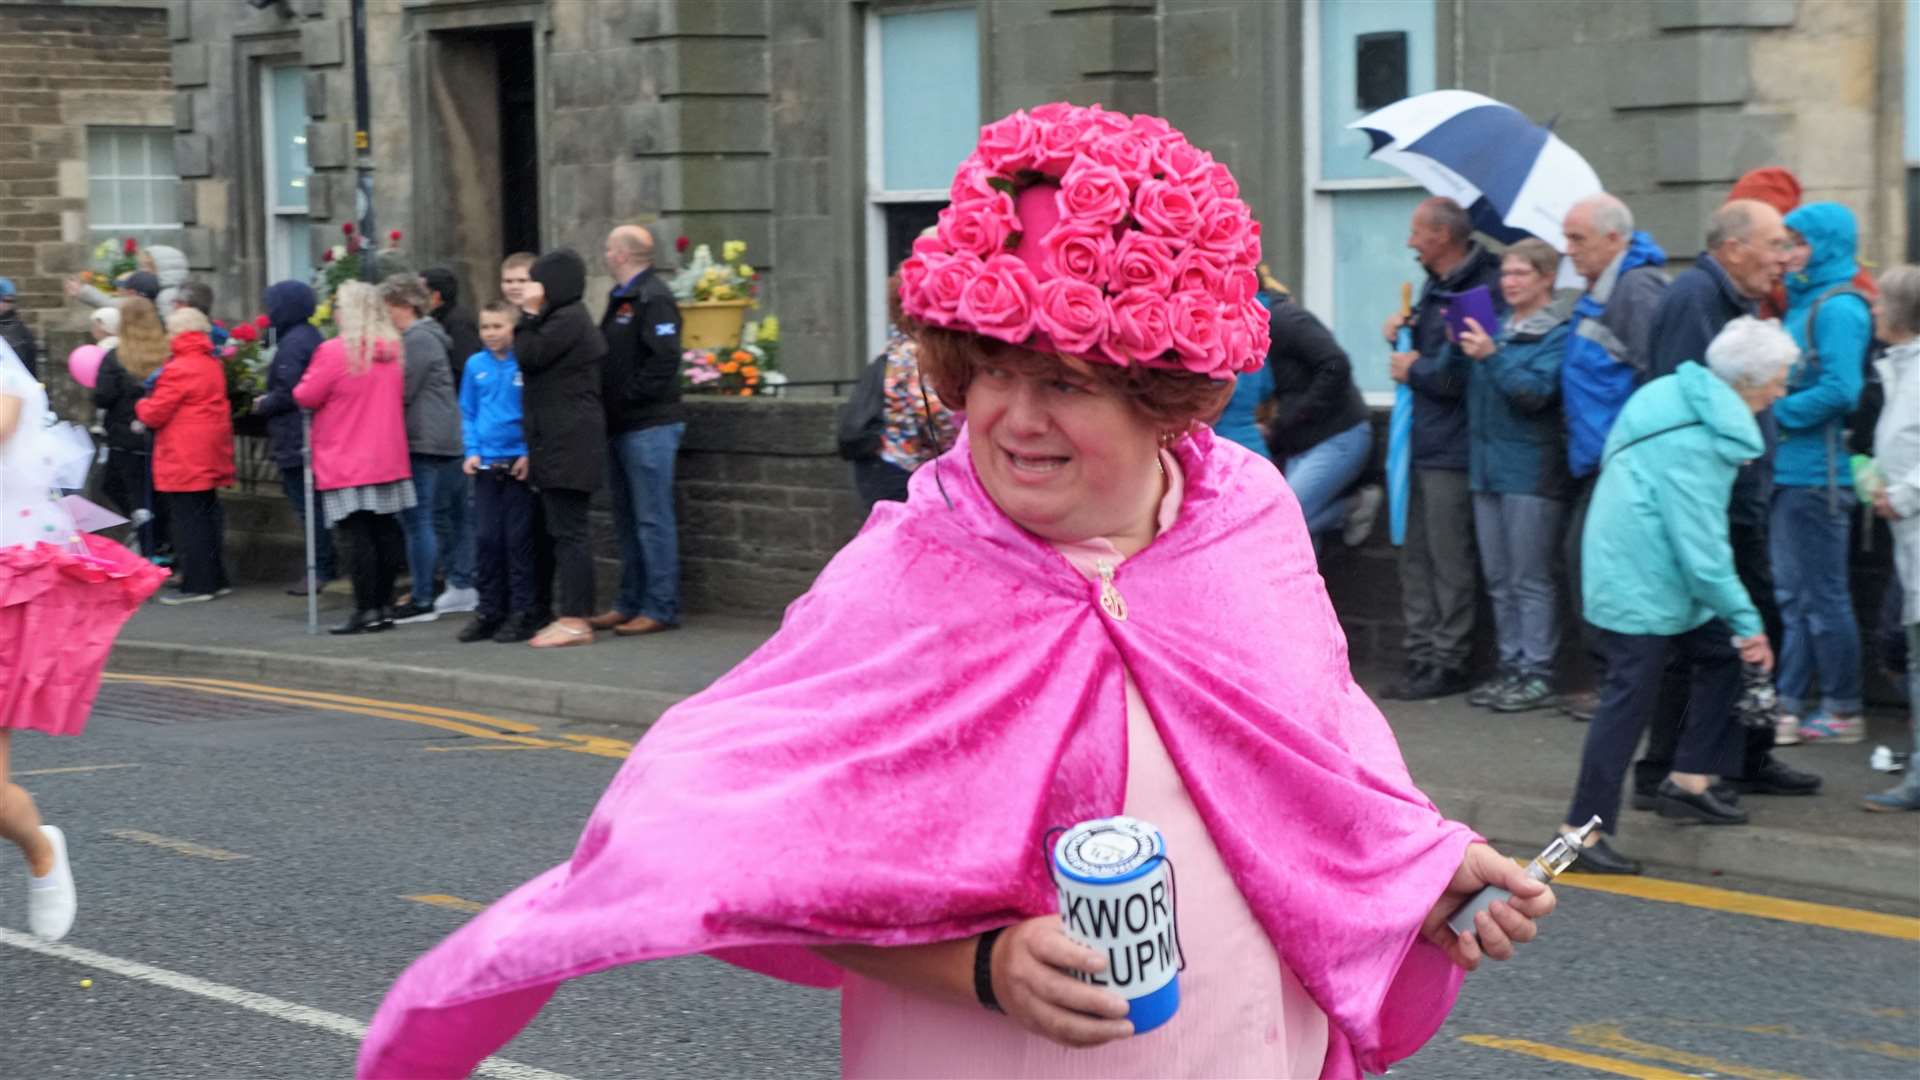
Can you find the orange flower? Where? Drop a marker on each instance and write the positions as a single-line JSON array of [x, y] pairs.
[[750, 372], [746, 393], [741, 356], [729, 368]]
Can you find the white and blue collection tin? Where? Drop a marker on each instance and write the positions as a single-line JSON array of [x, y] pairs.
[[1117, 895]]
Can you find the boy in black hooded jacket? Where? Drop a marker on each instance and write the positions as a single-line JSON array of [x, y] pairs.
[[560, 352]]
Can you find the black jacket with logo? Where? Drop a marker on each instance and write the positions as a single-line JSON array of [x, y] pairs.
[[640, 383]]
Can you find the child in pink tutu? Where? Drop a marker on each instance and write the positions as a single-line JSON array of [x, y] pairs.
[[63, 597]]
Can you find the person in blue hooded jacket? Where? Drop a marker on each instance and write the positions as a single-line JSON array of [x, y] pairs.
[[1517, 468], [1658, 579], [290, 306], [1813, 485]]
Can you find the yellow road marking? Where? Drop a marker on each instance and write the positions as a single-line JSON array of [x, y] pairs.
[[1901, 927], [445, 901], [343, 699], [1575, 1057], [598, 746], [465, 749], [182, 847], [1894, 1050], [75, 768], [1611, 1037]]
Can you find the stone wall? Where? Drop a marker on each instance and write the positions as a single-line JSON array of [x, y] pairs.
[[63, 69]]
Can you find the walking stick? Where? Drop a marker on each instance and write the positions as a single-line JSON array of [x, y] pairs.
[[306, 479]]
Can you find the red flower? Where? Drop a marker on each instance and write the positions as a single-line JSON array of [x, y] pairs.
[[327, 255], [347, 227], [246, 332], [130, 245], [682, 244], [262, 321]]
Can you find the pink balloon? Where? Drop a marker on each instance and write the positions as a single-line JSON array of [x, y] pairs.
[[83, 363]]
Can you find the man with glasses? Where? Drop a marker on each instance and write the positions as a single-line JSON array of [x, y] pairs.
[[1747, 253]]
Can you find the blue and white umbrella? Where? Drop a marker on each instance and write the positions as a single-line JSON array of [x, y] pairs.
[[1514, 176]]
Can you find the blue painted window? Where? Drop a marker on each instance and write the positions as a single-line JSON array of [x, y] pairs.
[[1342, 22], [929, 96]]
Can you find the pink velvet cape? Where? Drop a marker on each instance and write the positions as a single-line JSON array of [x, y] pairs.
[[883, 769]]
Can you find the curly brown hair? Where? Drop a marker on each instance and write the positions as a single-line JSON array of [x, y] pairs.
[[1173, 400]]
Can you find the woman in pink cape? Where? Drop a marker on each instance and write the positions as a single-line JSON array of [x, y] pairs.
[[1090, 606], [63, 598]]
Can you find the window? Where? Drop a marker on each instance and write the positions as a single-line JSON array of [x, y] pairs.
[[132, 188], [284, 172], [923, 117]]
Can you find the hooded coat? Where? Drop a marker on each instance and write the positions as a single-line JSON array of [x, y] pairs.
[[170, 269], [561, 351], [1608, 348], [790, 804], [191, 419], [1822, 390], [1655, 557], [433, 407], [1780, 189], [289, 305], [1518, 440]]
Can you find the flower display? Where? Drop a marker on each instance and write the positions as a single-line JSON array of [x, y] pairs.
[[1099, 235], [245, 358], [705, 279], [752, 368]]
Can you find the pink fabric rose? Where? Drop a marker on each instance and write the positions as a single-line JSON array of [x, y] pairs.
[[981, 225], [1223, 227], [1053, 112], [1093, 194], [1141, 327], [1007, 145], [1126, 151], [913, 277], [999, 301], [1141, 262], [1238, 286], [1183, 160], [1057, 141], [1081, 252], [1169, 209], [1256, 318], [942, 285], [1155, 129], [1074, 315], [970, 181], [1198, 270], [1250, 249], [1197, 330], [1219, 179]]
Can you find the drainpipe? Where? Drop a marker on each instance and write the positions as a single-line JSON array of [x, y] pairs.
[[363, 145]]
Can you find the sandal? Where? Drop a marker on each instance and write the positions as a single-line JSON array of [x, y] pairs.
[[558, 635]]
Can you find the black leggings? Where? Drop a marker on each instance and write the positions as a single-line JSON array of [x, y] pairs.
[[572, 557], [199, 540], [379, 551]]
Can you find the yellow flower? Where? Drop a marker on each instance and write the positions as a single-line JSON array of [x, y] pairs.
[[732, 250], [745, 270], [723, 292], [769, 329]]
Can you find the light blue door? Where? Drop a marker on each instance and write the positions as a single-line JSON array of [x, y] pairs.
[[1367, 251]]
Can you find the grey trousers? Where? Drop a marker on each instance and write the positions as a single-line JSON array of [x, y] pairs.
[[1519, 536], [1437, 574]]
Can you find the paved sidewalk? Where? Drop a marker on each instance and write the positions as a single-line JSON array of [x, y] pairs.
[[1508, 776]]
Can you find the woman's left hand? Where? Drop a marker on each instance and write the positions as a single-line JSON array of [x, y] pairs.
[[1503, 925], [1475, 342]]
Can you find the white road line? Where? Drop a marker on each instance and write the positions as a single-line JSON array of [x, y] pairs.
[[245, 999]]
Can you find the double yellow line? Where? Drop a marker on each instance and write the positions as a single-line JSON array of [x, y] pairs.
[[513, 733]]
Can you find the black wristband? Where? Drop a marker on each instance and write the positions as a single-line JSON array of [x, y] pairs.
[[983, 969]]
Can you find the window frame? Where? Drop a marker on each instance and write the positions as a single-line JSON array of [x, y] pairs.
[[281, 223], [154, 231]]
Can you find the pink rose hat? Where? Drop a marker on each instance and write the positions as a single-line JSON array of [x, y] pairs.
[[1097, 235]]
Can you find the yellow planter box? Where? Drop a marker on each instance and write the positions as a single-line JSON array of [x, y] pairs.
[[712, 324]]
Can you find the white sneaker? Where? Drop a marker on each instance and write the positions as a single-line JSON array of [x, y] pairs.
[[1360, 519], [50, 900], [454, 600], [1786, 730]]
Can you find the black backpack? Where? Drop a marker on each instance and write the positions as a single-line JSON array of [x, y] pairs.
[[861, 421]]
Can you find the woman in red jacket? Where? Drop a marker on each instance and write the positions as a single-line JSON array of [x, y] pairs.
[[192, 453]]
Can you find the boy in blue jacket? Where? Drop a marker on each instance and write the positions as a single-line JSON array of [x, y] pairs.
[[496, 446]]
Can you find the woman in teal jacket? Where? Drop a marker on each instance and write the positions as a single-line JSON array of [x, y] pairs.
[[1657, 576], [1813, 485], [1517, 468]]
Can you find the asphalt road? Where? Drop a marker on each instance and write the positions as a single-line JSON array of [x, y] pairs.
[[242, 843]]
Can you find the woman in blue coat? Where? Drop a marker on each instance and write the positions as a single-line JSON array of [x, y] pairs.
[[1517, 468], [1657, 578]]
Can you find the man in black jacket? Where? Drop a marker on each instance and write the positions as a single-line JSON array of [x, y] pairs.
[[640, 388], [290, 304], [1439, 573], [443, 296]]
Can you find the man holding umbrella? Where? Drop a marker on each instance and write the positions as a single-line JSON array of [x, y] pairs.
[[1439, 578]]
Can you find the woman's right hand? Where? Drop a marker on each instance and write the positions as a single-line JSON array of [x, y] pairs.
[[1756, 651], [1475, 342], [1030, 964]]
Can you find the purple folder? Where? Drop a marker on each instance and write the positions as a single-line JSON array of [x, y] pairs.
[[1476, 304]]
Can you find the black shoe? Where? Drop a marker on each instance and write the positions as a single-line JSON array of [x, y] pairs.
[[518, 628], [1489, 692], [1776, 778], [1524, 695], [1646, 800], [1418, 673], [1725, 792], [1580, 707], [1600, 858], [413, 612], [1705, 808], [364, 621], [1440, 682], [480, 628]]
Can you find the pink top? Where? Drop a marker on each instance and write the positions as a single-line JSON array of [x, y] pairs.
[[1238, 1016], [359, 421]]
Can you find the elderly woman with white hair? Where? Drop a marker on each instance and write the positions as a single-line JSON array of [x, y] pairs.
[[1658, 577]]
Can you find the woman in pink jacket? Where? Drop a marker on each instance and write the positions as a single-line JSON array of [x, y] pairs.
[[354, 387]]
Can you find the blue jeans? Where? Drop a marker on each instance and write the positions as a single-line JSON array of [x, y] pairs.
[[1518, 536], [453, 528], [293, 482], [1821, 643], [1321, 472], [641, 484], [431, 473]]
